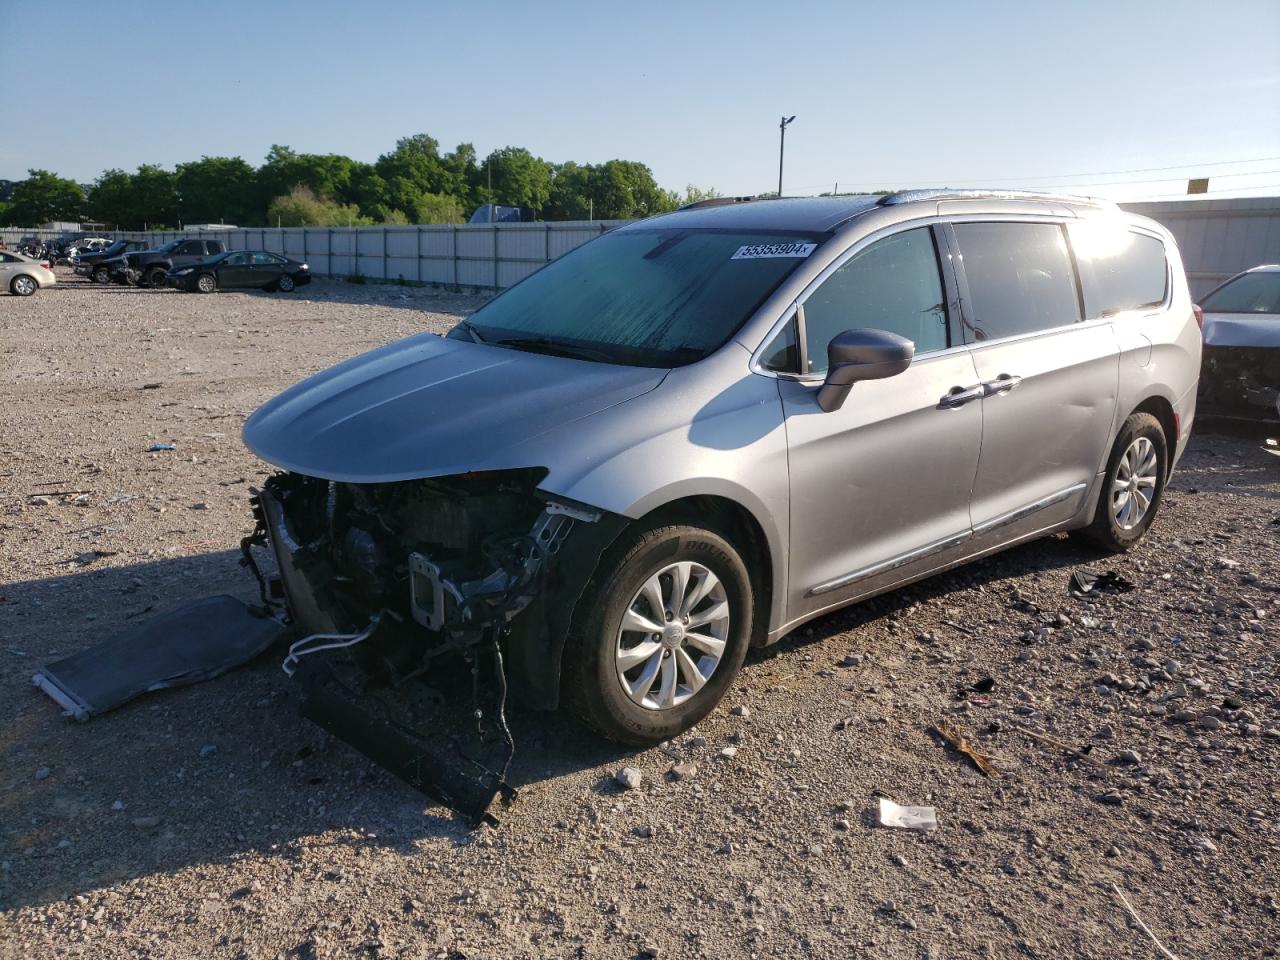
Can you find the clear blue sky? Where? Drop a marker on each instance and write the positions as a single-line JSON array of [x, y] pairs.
[[885, 94]]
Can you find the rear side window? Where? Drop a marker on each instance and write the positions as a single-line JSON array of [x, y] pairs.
[[894, 285], [190, 247], [213, 246], [1019, 276], [1119, 269]]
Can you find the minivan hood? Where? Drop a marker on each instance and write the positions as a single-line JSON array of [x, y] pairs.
[[429, 407]]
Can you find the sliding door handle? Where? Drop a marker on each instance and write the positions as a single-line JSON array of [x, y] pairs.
[[959, 396], [1001, 384]]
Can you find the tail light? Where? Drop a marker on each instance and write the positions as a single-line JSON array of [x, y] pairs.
[[45, 264], [1199, 312]]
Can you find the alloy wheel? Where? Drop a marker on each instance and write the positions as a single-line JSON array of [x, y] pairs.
[[285, 283], [24, 286], [673, 636], [1134, 485]]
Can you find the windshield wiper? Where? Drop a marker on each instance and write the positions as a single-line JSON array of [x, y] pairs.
[[555, 348], [469, 327]]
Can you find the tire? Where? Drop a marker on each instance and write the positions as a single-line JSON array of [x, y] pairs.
[[285, 284], [23, 286], [1140, 445], [206, 283], [154, 278], [595, 665], [100, 275]]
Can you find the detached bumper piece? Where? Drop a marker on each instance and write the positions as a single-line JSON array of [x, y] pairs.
[[183, 646]]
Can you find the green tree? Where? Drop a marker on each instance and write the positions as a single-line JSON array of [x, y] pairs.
[[438, 208], [570, 196], [326, 175], [217, 190], [694, 194], [368, 191], [111, 200], [44, 197], [301, 207], [155, 196], [460, 175], [519, 178]]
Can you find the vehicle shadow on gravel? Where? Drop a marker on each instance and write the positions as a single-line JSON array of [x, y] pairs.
[[205, 774]]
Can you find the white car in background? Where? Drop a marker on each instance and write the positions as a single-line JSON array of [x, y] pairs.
[[1241, 359], [22, 275]]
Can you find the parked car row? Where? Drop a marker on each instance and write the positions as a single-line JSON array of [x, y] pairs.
[[195, 266]]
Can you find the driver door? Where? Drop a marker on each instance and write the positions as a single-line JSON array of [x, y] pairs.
[[880, 487], [234, 270]]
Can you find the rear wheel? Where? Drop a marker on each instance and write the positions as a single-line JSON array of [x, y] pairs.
[[665, 627], [155, 277], [1133, 485], [24, 286], [206, 283], [100, 275]]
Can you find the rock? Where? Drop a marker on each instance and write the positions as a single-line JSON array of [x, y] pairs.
[[1129, 756], [852, 660], [40, 501], [644, 832], [728, 753], [1113, 851], [842, 825], [146, 823], [1210, 723], [1232, 702], [628, 778], [684, 771], [1207, 845], [741, 711], [1111, 798], [42, 772], [1146, 643], [1183, 716], [1105, 732], [208, 750]]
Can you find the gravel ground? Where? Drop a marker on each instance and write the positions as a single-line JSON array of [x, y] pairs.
[[213, 822]]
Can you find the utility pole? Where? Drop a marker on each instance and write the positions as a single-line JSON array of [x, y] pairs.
[[782, 146]]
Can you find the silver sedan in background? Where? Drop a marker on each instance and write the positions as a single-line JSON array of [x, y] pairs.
[[22, 275]]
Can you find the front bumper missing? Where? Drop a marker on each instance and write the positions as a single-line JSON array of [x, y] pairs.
[[422, 723]]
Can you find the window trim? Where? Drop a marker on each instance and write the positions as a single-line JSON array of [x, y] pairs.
[[795, 310]]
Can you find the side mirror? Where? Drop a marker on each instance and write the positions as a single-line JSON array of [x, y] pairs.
[[861, 355]]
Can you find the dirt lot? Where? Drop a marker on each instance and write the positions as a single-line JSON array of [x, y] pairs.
[[213, 822]]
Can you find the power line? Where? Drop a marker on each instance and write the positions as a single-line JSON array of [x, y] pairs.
[[1068, 176]]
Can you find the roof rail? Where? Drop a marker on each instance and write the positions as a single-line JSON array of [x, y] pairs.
[[719, 202], [912, 196]]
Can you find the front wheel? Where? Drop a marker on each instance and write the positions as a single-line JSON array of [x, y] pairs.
[[205, 283], [664, 629], [285, 284], [155, 278], [1133, 485], [101, 275]]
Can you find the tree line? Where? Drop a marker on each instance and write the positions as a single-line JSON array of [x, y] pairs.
[[414, 183]]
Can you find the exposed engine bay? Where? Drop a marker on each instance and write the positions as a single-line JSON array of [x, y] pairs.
[[1240, 381], [401, 590]]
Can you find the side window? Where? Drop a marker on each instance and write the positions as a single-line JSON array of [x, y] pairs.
[[894, 285], [191, 247], [213, 246], [783, 354], [5, 258], [1119, 270], [236, 260], [1019, 276], [265, 258]]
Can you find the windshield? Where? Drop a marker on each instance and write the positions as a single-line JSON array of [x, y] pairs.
[[1252, 293], [654, 298]]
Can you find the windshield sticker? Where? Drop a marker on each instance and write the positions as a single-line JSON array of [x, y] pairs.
[[769, 251]]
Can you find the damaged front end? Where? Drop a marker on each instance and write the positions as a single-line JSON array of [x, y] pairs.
[[421, 601], [1240, 381]]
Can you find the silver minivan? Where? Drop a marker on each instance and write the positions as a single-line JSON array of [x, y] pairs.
[[703, 429]]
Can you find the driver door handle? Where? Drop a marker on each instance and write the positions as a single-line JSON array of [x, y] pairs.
[[1001, 384], [959, 396]]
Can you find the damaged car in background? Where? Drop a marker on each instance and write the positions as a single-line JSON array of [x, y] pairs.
[[692, 435], [1241, 375]]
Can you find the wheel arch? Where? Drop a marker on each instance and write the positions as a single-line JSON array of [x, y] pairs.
[[1162, 409]]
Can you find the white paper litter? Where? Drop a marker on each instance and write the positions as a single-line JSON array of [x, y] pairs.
[[908, 818]]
